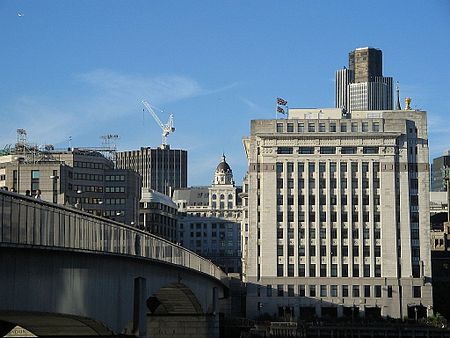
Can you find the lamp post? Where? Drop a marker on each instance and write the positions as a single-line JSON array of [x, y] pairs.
[[79, 203], [55, 178], [19, 160]]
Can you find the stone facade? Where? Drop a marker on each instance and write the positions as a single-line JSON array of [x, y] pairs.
[[210, 219], [338, 214]]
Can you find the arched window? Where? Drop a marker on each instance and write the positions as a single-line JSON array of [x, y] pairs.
[[222, 196], [230, 196], [214, 196]]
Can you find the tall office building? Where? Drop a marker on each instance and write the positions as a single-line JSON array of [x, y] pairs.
[[362, 86], [85, 179], [161, 170], [366, 64], [338, 215], [343, 79], [439, 169]]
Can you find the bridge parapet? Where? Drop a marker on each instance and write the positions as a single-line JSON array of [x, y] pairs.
[[28, 222]]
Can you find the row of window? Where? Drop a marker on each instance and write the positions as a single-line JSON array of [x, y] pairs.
[[86, 188], [323, 165], [115, 201], [332, 250], [332, 127], [92, 165], [357, 291], [87, 177], [334, 232], [323, 200], [326, 150], [333, 270], [333, 216], [119, 178], [115, 189], [222, 196]]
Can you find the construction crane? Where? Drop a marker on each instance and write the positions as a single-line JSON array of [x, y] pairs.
[[166, 128]]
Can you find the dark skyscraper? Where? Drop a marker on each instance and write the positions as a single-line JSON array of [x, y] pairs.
[[366, 64], [362, 86]]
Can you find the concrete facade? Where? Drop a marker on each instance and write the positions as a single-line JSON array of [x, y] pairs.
[[161, 170], [158, 215], [80, 178], [338, 214], [439, 169]]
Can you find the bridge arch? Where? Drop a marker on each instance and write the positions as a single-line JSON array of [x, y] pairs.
[[52, 324], [175, 298]]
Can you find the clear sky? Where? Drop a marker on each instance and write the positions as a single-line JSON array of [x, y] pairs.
[[80, 68]]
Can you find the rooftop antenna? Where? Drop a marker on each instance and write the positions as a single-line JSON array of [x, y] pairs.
[[167, 128], [398, 107]]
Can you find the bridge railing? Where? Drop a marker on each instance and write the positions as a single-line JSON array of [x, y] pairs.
[[26, 221]]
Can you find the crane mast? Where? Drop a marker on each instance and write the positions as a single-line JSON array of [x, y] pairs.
[[166, 128]]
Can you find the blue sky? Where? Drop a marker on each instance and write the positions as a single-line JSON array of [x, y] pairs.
[[81, 68]]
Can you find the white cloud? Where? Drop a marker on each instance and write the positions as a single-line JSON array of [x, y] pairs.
[[99, 98]]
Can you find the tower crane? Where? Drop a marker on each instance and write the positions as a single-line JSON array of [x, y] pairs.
[[166, 128]]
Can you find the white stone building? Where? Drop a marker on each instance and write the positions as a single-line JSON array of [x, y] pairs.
[[210, 219], [338, 215]]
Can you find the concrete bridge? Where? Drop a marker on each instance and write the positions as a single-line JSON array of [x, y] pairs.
[[64, 272]]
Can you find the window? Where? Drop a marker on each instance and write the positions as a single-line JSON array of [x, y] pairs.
[[279, 167], [348, 150], [301, 269], [311, 127], [343, 127], [333, 127], [323, 291], [280, 271], [306, 150], [312, 268], [290, 290], [354, 127], [365, 126], [269, 290], [285, 150], [328, 150], [333, 290], [355, 291], [280, 290], [312, 290], [378, 291], [279, 127], [323, 270], [389, 291], [366, 290], [35, 174], [375, 126], [301, 127], [290, 127], [344, 290], [417, 292], [290, 270], [321, 127], [370, 150], [301, 290]]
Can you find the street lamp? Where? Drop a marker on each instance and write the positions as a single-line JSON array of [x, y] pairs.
[[55, 178], [19, 160], [79, 201]]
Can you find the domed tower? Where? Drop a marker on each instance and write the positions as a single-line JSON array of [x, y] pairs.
[[223, 174], [222, 193]]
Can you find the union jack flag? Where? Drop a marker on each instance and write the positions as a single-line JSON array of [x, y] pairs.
[[280, 110], [281, 101]]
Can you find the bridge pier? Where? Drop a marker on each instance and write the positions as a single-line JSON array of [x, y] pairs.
[[182, 325]]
